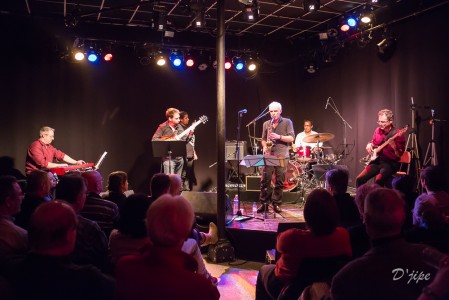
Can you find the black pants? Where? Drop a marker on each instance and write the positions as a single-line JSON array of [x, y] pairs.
[[267, 193], [382, 169]]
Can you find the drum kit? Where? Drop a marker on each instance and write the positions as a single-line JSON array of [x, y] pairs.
[[299, 170]]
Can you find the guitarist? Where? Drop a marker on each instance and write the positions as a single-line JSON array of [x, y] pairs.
[[387, 162], [167, 131], [188, 174]]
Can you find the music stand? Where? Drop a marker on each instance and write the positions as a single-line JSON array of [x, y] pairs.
[[320, 170], [263, 160], [168, 148]]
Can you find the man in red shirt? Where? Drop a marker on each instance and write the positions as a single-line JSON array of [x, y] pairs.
[[384, 162], [40, 153]]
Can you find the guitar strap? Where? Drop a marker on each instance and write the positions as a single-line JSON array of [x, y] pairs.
[[389, 135]]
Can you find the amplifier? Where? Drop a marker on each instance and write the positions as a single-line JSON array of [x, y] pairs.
[[230, 150], [253, 183]]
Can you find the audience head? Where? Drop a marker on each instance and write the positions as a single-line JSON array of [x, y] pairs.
[[405, 184], [429, 216], [384, 213], [169, 221], [132, 216], [321, 213], [159, 185], [38, 183], [118, 182], [72, 189], [337, 181], [175, 184], [53, 228], [432, 178], [52, 179], [11, 196], [94, 181], [360, 196]]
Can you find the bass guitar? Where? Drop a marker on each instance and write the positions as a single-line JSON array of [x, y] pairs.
[[203, 119], [373, 156]]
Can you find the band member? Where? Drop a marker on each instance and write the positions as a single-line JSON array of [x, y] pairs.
[[276, 135], [188, 173], [308, 126], [167, 131], [41, 153], [386, 162]]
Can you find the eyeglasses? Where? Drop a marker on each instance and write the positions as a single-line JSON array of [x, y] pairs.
[[382, 122]]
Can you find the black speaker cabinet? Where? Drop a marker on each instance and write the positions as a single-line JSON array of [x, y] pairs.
[[253, 183], [205, 206]]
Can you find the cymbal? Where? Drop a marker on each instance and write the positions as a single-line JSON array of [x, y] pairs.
[[256, 138], [318, 137]]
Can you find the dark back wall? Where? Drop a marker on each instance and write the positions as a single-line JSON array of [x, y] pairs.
[[116, 107]]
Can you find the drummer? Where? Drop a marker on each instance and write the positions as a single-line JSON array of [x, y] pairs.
[[308, 125]]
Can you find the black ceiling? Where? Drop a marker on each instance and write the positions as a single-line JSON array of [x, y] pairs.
[[279, 21]]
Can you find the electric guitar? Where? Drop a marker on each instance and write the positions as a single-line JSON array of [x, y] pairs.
[[203, 119], [373, 156]]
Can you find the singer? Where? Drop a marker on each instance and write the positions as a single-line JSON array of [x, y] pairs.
[[277, 133]]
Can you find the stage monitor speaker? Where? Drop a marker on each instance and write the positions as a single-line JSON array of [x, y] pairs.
[[230, 150], [253, 183], [205, 207]]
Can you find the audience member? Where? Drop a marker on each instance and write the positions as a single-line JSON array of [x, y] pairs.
[[91, 243], [438, 288], [360, 241], [159, 185], [38, 187], [202, 238], [117, 188], [392, 268], [53, 181], [432, 181], [322, 239], [13, 239], [430, 228], [337, 185], [163, 270], [7, 168], [407, 186], [47, 272], [104, 212]]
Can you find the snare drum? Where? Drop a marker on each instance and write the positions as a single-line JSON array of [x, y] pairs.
[[304, 154], [330, 158]]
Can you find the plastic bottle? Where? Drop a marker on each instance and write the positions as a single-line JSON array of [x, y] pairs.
[[236, 204], [254, 209]]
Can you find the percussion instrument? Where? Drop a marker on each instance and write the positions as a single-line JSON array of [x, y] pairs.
[[318, 137], [292, 176], [304, 154]]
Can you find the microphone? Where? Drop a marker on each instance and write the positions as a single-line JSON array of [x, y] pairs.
[[243, 111], [327, 103]]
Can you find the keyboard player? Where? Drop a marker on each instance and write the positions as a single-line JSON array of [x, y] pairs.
[[41, 154]]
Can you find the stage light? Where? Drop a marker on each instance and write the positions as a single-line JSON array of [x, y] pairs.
[[190, 62], [238, 62], [203, 61], [79, 55], [197, 8], [250, 12], [160, 59], [311, 5], [251, 64], [92, 57], [351, 21], [107, 57], [176, 59], [228, 63], [367, 15]]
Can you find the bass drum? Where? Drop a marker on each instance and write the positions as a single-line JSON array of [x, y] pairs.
[[291, 176]]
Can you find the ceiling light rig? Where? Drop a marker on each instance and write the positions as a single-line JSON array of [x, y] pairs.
[[250, 10], [311, 5]]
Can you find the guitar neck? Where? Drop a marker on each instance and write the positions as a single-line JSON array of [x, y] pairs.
[[187, 130]]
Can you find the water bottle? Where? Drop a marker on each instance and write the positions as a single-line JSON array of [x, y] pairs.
[[236, 204], [254, 209]]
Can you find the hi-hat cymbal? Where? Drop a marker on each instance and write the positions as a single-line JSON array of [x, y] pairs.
[[256, 138], [318, 137]]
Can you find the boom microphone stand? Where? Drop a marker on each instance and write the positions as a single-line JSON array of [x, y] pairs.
[[331, 103], [413, 149]]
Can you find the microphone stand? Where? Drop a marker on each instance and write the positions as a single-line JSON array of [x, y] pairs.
[[345, 123]]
